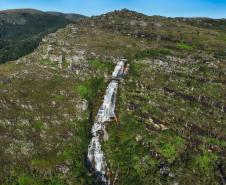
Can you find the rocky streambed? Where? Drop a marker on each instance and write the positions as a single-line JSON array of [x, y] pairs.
[[106, 113]]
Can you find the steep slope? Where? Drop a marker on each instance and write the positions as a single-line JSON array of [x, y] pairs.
[[21, 30], [170, 126]]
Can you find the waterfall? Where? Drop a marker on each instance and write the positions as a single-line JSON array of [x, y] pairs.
[[106, 113]]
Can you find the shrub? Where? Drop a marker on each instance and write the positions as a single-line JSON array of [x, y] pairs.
[[206, 161], [89, 89], [100, 65]]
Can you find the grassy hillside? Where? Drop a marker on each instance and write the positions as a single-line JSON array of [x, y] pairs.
[[170, 109], [22, 30]]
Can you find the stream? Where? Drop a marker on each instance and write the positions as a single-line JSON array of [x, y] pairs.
[[106, 113]]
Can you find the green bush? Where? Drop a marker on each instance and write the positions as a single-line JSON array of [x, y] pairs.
[[206, 161], [101, 65], [26, 180], [89, 89]]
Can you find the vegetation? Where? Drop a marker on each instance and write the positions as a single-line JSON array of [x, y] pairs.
[[89, 89], [161, 128], [184, 46], [102, 65], [206, 162], [171, 118], [22, 30], [152, 53]]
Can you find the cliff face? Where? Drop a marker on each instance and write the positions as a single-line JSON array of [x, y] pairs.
[[170, 110]]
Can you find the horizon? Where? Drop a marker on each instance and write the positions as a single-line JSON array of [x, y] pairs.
[[46, 11], [200, 8]]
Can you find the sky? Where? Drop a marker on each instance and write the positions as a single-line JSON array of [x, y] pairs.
[[169, 8]]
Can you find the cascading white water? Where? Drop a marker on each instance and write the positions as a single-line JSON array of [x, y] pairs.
[[119, 69], [105, 114], [107, 110]]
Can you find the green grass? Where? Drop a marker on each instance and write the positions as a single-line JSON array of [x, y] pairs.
[[27, 180], [39, 125], [129, 156], [101, 65], [152, 53], [206, 161], [55, 181], [65, 64], [48, 63], [168, 144], [59, 97], [214, 141], [184, 46], [89, 89], [47, 163], [2, 85]]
